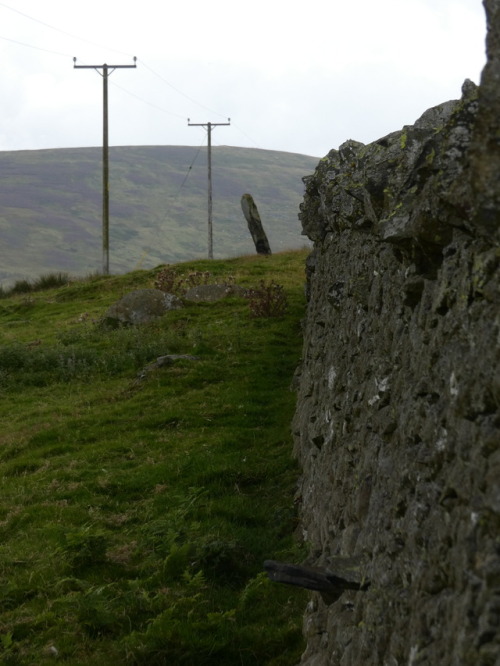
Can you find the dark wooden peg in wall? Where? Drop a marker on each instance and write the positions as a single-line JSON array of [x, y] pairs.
[[338, 575]]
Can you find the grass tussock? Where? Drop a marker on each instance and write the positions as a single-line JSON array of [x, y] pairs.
[[136, 510], [42, 283]]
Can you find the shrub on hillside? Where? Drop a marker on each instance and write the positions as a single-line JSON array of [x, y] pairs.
[[21, 287], [170, 281], [46, 281], [50, 281], [268, 300]]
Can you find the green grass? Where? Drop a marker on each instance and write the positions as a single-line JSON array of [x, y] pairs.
[[135, 515]]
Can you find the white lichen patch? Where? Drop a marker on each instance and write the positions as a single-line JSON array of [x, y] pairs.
[[442, 440], [382, 384], [413, 655], [332, 376]]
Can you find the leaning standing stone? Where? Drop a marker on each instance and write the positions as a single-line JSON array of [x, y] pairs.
[[255, 227]]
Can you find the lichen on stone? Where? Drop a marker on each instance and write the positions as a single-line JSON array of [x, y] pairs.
[[397, 426]]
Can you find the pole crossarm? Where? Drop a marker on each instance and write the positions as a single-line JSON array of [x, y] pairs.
[[106, 71], [105, 65], [208, 126]]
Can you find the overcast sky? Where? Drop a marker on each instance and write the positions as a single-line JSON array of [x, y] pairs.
[[294, 76]]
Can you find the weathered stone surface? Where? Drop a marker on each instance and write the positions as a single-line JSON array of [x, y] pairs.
[[140, 307], [399, 186], [397, 426], [485, 152], [251, 213]]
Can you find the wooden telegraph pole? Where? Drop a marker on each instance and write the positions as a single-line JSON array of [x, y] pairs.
[[208, 127], [106, 71]]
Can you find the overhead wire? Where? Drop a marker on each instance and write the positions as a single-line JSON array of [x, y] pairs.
[[113, 83], [30, 46], [116, 85], [180, 91], [176, 195], [245, 134], [144, 101], [63, 32], [143, 63], [190, 168], [130, 93]]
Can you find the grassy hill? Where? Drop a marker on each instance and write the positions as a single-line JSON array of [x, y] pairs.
[[136, 509], [51, 206]]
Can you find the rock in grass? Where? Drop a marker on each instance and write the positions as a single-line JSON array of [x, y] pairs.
[[140, 307], [162, 361]]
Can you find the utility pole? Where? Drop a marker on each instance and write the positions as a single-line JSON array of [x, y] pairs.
[[208, 127], [106, 71]]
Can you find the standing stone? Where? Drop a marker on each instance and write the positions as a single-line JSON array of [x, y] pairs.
[[252, 217]]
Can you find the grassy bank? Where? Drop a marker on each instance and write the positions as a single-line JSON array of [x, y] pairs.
[[136, 512]]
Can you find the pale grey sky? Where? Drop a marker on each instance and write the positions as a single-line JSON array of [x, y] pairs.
[[299, 77]]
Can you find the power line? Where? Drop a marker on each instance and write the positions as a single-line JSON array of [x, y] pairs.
[[190, 99], [208, 126], [247, 135], [128, 92], [145, 101], [190, 168], [174, 196], [116, 85], [105, 154], [63, 32], [88, 41], [82, 39], [37, 48]]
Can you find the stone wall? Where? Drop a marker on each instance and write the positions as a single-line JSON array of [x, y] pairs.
[[397, 426]]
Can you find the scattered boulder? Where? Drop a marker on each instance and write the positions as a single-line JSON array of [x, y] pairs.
[[140, 307], [163, 361]]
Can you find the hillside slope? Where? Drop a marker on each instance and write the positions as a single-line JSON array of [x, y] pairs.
[[139, 501], [51, 206]]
